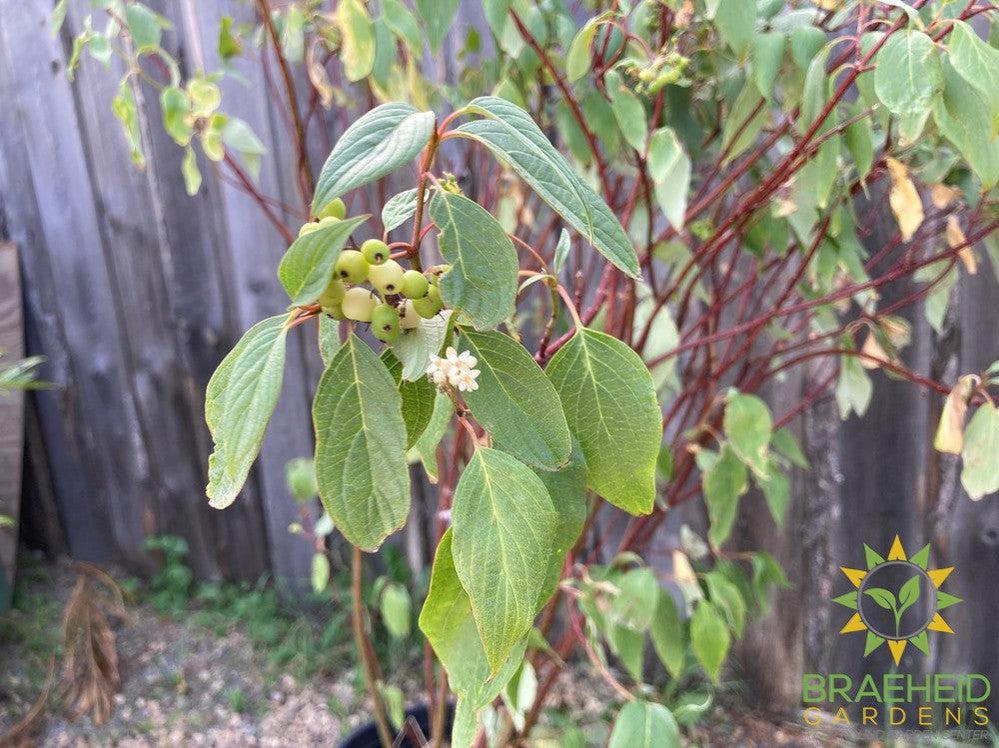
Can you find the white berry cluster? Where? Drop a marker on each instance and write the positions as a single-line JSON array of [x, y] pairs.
[[455, 369]]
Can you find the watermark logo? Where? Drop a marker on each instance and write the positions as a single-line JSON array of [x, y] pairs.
[[896, 600]]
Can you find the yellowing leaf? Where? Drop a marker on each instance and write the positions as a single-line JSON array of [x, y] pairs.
[[980, 475], [950, 430], [873, 350], [956, 240], [943, 195], [904, 199]]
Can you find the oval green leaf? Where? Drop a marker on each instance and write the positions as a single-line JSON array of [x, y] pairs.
[[504, 525], [482, 282], [512, 136], [611, 408], [378, 143], [307, 266], [239, 402], [515, 401], [361, 446]]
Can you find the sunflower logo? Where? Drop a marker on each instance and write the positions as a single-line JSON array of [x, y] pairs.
[[896, 600]]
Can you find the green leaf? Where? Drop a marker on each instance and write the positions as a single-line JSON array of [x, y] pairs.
[[859, 142], [378, 143], [635, 604], [229, 44], [447, 622], [978, 64], [748, 425], [516, 402], [669, 167], [320, 572], [395, 606], [240, 398], [668, 637], [884, 598], [726, 597], [329, 338], [425, 449], [629, 111], [239, 136], [785, 443], [908, 73], [709, 638], [579, 58], [190, 171], [143, 26], [853, 391], [360, 446], [58, 17], [742, 126], [511, 135], [629, 647], [567, 487], [417, 399], [415, 347], [127, 113], [724, 481], [504, 525], [767, 55], [482, 282], [908, 594], [980, 475], [736, 24], [437, 16], [641, 724], [806, 41], [300, 477], [611, 408], [399, 209], [176, 108], [561, 251], [963, 117], [307, 266], [777, 492], [357, 51], [403, 25]]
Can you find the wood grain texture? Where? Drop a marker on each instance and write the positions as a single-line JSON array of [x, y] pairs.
[[11, 417]]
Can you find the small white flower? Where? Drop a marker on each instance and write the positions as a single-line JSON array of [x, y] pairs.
[[455, 369]]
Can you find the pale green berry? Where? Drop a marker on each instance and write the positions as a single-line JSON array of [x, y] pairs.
[[311, 226], [351, 266], [385, 323], [414, 284], [333, 294], [375, 251], [430, 304], [386, 277], [334, 209], [358, 304], [408, 318]]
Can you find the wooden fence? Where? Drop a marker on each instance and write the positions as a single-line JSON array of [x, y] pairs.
[[134, 292]]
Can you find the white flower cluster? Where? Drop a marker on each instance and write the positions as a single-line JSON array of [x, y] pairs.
[[455, 369]]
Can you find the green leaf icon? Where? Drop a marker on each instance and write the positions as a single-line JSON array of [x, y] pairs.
[[882, 597], [908, 594]]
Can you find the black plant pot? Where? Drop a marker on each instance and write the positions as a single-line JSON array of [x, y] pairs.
[[366, 736]]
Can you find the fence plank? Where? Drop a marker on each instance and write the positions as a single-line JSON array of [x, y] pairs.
[[11, 418]]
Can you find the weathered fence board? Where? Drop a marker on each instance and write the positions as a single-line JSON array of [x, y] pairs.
[[11, 418]]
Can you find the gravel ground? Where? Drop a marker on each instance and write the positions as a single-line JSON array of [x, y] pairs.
[[182, 685]]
